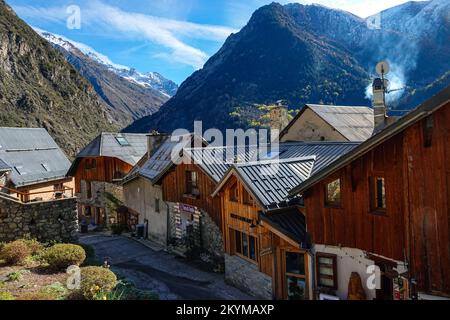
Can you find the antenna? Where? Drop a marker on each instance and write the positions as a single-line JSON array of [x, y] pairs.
[[383, 68]]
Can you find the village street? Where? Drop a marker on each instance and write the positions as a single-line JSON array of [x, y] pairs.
[[165, 274]]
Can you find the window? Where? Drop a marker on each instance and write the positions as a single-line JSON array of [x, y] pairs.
[[90, 164], [377, 194], [296, 288], [245, 245], [157, 207], [88, 190], [247, 198], [234, 195], [122, 140], [326, 270], [192, 183], [333, 193]]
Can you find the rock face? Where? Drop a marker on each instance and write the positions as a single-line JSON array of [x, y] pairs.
[[312, 54], [44, 221], [39, 88], [127, 94]]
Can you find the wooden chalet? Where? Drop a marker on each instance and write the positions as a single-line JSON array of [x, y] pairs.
[[98, 170], [265, 239], [32, 166], [387, 202]]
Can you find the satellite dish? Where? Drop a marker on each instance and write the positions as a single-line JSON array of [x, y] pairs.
[[383, 68]]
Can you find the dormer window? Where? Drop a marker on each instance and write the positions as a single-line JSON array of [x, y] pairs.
[[122, 140]]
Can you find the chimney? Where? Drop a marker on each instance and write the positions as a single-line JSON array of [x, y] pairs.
[[379, 104], [279, 116], [154, 141]]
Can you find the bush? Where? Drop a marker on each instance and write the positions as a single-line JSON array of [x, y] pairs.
[[35, 246], [6, 296], [61, 256], [97, 282], [15, 253]]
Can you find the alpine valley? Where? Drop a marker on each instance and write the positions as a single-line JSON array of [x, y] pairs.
[[312, 54]]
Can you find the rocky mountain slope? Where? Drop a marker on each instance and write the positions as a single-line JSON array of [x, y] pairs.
[[127, 93], [312, 54], [39, 88]]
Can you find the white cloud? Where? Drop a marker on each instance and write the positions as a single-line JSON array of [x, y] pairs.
[[170, 34]]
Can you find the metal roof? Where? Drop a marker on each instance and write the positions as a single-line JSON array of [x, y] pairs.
[[216, 161], [33, 156], [270, 181], [289, 221], [421, 112], [128, 147], [161, 161], [355, 123], [325, 152]]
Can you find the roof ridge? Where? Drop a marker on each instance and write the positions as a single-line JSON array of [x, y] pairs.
[[284, 160]]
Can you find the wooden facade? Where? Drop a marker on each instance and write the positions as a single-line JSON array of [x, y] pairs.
[[415, 165], [174, 190], [242, 215], [101, 169]]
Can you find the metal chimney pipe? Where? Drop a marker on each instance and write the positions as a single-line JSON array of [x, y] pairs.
[[379, 104]]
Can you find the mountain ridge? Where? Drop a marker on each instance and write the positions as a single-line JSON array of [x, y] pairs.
[[305, 54]]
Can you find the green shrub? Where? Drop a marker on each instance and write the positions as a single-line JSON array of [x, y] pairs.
[[5, 295], [61, 256], [35, 246], [14, 276], [57, 290], [15, 253], [97, 282]]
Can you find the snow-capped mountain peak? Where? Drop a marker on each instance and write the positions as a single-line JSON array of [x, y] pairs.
[[152, 80]]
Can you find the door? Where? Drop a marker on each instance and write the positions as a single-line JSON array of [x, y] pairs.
[[295, 276]]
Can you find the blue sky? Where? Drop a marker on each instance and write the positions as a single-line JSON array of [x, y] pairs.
[[172, 37]]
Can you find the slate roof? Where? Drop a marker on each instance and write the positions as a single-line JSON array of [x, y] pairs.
[[33, 156], [4, 167], [290, 222], [355, 123], [425, 109], [108, 145]]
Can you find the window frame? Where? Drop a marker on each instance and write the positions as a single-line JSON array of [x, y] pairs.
[[247, 198], [302, 276], [333, 204], [191, 183], [334, 266], [234, 192], [249, 239], [374, 194]]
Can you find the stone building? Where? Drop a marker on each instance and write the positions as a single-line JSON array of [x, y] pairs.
[[98, 170]]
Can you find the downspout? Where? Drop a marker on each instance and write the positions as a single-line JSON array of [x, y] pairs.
[[167, 223]]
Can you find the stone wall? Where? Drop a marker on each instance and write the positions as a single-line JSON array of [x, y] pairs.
[[46, 221], [212, 241], [245, 275]]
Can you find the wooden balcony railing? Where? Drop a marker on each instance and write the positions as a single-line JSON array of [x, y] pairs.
[[26, 197]]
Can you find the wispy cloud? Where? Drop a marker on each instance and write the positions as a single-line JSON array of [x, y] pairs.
[[171, 35]]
